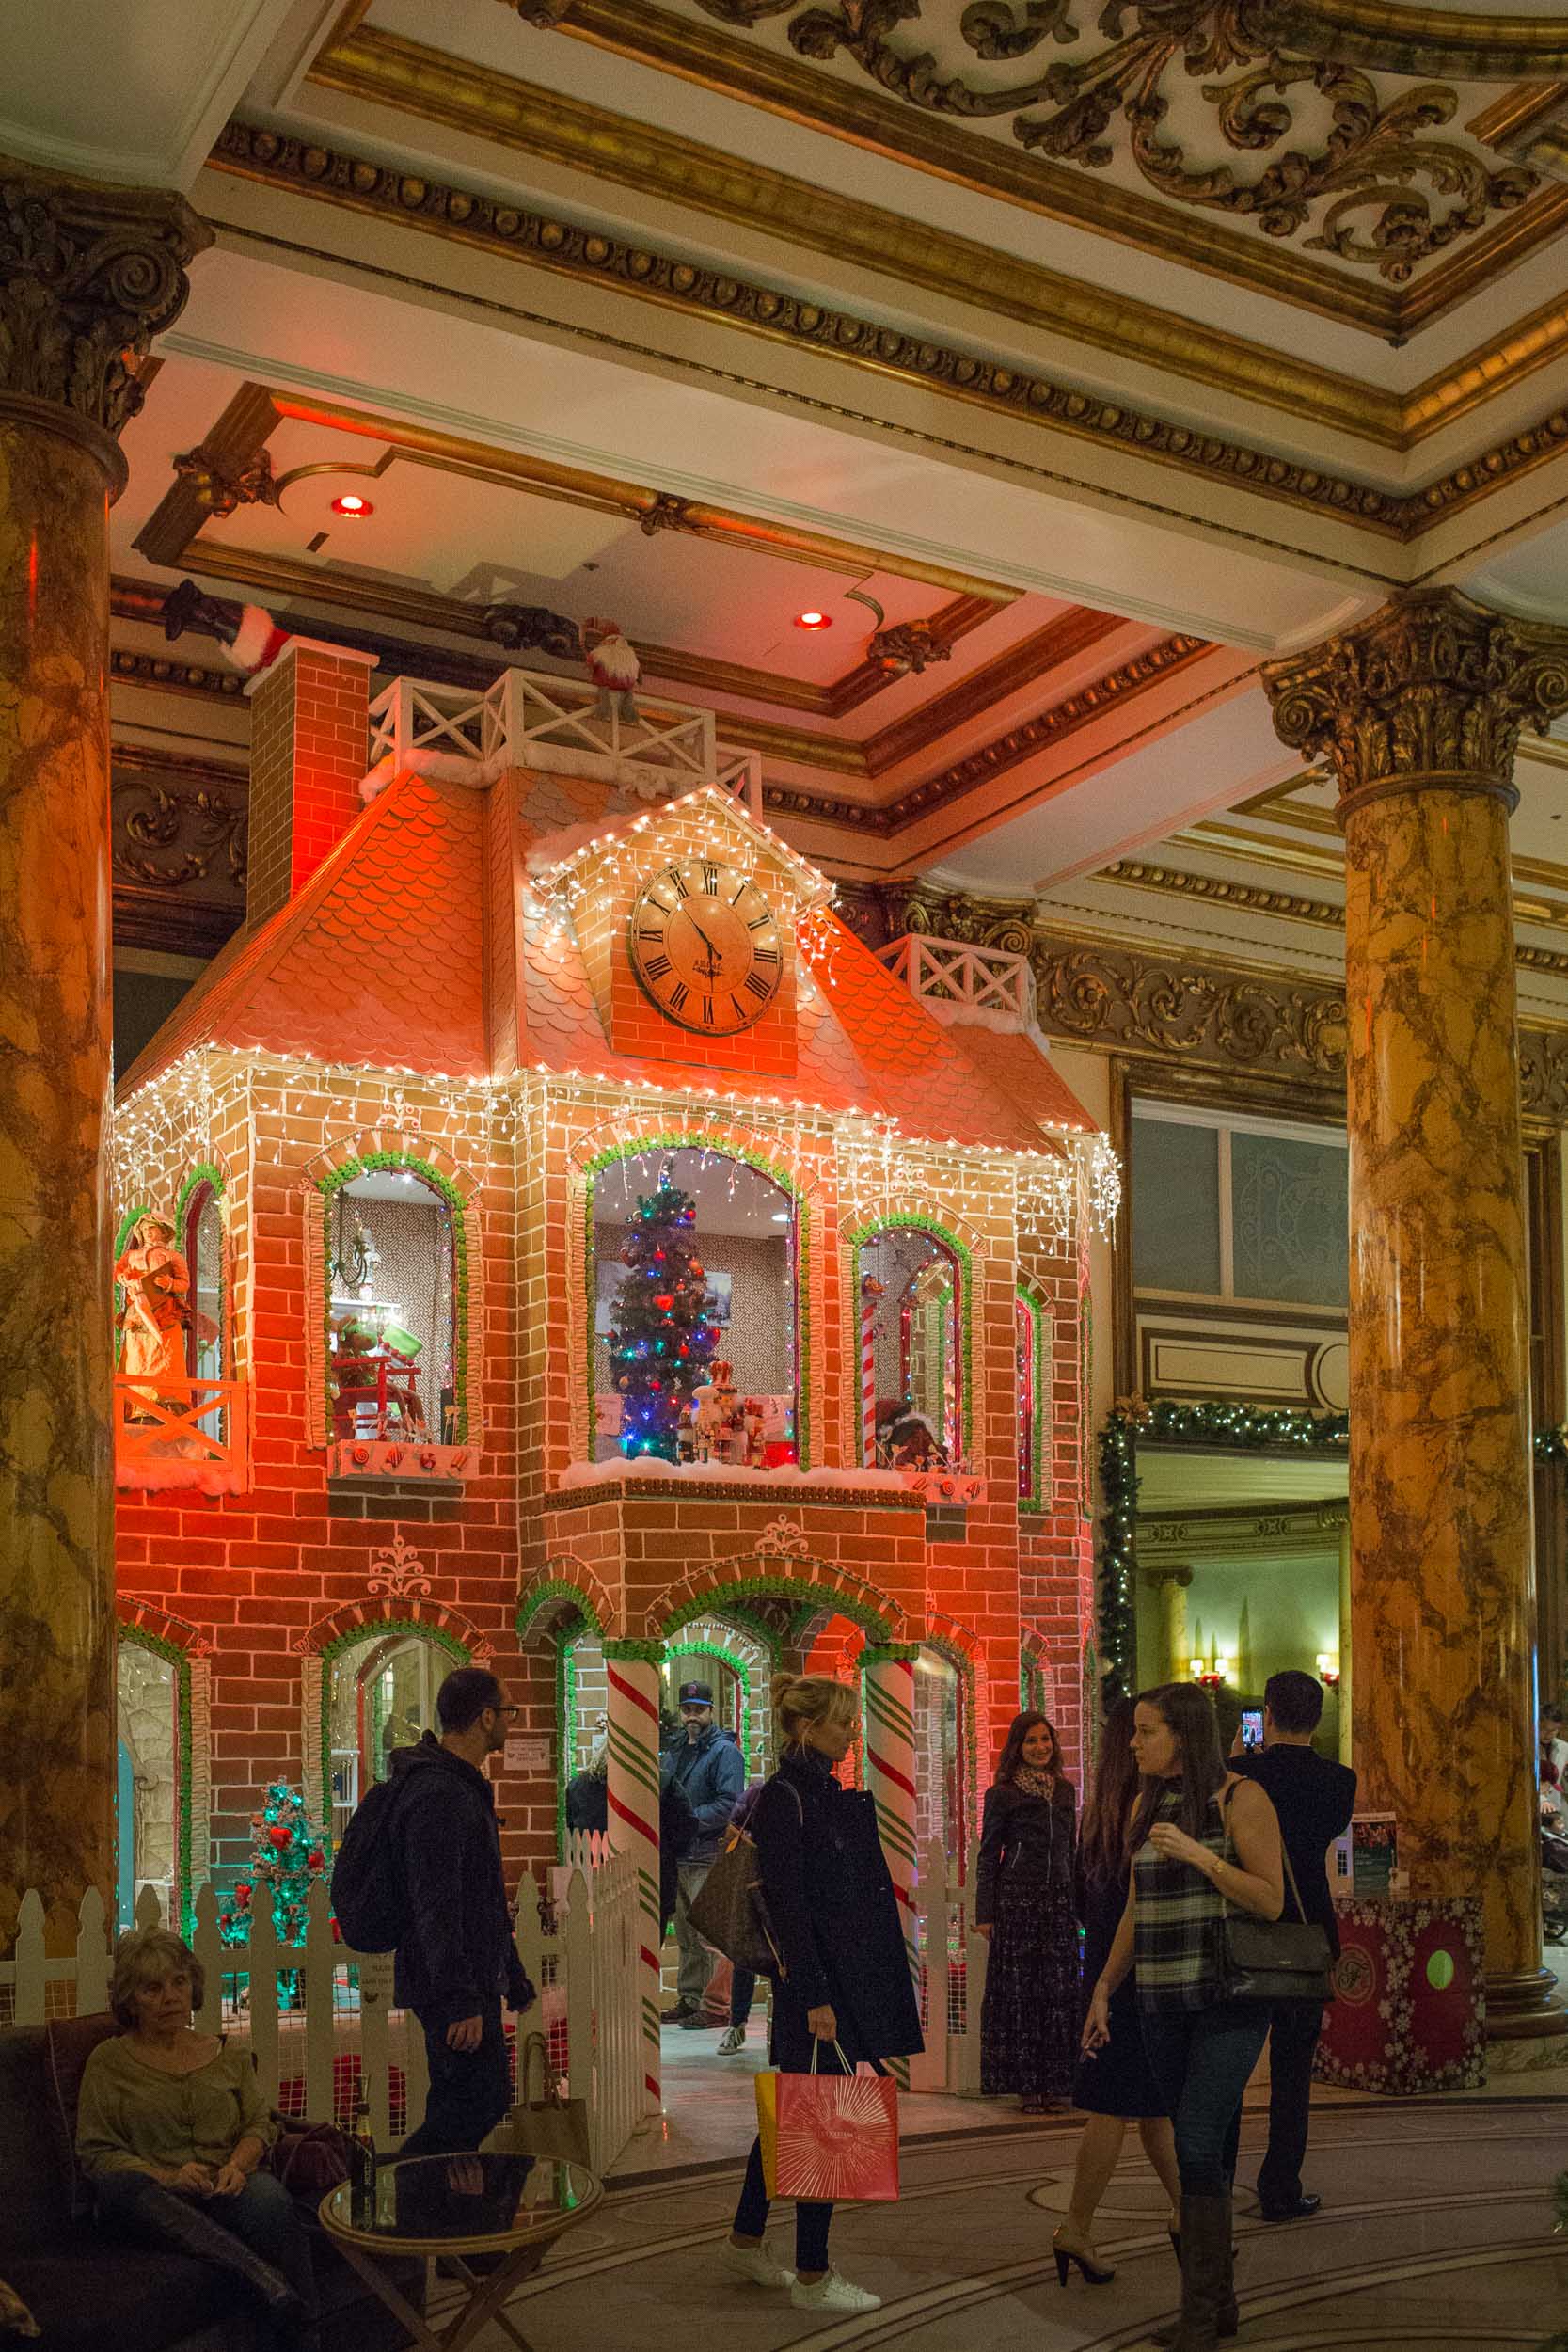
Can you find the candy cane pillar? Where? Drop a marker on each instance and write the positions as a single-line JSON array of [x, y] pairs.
[[868, 1377], [889, 1682], [632, 1672]]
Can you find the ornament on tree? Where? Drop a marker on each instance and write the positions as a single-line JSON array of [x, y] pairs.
[[288, 1855], [662, 1334]]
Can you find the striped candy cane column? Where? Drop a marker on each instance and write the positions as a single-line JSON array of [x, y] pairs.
[[632, 1729], [889, 1681], [871, 1290]]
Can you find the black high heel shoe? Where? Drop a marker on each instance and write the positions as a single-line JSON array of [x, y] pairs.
[[1069, 2256]]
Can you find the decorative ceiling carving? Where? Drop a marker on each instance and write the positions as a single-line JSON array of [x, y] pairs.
[[1360, 168]]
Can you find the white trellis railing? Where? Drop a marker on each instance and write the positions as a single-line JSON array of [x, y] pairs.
[[319, 2018], [949, 976], [530, 720]]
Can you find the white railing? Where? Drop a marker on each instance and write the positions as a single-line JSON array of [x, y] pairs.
[[319, 2019], [530, 720], [954, 980], [953, 1977]]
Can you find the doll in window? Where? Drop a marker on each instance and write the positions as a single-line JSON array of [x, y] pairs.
[[155, 1285]]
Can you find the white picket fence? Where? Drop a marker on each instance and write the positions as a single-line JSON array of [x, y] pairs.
[[953, 1977], [319, 2019]]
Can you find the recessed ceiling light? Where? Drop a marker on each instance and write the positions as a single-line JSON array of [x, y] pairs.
[[353, 506], [813, 620]]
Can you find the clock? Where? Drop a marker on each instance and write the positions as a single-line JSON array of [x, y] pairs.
[[704, 945]]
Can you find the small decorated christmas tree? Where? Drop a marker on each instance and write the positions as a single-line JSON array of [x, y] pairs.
[[662, 1334], [288, 1855]]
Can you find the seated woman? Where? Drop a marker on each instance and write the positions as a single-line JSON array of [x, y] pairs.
[[170, 2128]]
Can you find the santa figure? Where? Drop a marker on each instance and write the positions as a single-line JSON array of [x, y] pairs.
[[250, 638], [613, 668]]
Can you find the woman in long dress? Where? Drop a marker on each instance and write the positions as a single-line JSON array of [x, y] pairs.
[[155, 1284], [1023, 1903]]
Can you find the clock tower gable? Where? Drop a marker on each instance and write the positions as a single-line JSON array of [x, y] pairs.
[[685, 918]]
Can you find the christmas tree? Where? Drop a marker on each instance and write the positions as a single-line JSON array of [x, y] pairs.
[[661, 1333], [288, 1855]]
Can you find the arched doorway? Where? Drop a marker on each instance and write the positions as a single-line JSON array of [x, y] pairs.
[[148, 1701], [380, 1696]]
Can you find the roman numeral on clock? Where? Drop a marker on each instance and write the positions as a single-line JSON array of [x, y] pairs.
[[710, 881], [761, 923], [657, 966], [765, 955], [708, 1012], [681, 890], [678, 996], [757, 986]]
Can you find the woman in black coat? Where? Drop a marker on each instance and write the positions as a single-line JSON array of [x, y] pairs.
[[843, 1989], [1023, 1902]]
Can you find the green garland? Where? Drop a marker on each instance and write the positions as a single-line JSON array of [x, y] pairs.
[[1212, 1421], [964, 1306], [871, 1621], [375, 1631]]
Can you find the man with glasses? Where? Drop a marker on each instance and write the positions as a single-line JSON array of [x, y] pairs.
[[456, 1960]]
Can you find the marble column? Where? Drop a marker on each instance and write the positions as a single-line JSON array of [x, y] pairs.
[[1420, 709], [87, 276], [1173, 1585]]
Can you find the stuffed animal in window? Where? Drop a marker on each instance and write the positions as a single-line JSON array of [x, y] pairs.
[[906, 1439]]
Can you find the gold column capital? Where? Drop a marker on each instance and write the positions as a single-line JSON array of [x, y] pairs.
[[89, 276], [1432, 691]]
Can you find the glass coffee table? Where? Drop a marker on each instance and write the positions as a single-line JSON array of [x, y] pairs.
[[502, 2212]]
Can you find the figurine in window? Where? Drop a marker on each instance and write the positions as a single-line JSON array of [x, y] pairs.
[[155, 1286], [906, 1439], [753, 1426]]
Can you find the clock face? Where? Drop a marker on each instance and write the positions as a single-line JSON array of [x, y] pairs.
[[704, 945]]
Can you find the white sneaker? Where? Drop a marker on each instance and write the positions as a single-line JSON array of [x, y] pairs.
[[732, 2040], [755, 2263], [834, 2293]]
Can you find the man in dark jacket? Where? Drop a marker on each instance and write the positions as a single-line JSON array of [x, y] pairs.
[[1314, 1799], [456, 1959], [706, 1763]]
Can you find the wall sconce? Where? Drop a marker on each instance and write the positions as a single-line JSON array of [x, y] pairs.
[[1328, 1668], [1211, 1675]]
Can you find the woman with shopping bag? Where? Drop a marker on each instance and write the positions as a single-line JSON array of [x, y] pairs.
[[842, 1990]]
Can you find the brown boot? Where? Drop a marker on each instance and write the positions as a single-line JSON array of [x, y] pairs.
[[1208, 2291]]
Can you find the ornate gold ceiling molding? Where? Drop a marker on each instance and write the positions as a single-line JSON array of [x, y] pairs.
[[1470, 46], [1175, 881], [361, 185], [435, 87], [756, 76], [1075, 632], [169, 675]]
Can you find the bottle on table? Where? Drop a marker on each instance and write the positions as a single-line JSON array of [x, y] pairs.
[[361, 2164]]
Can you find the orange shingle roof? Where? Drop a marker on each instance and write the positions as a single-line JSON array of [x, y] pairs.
[[1021, 1069], [377, 960]]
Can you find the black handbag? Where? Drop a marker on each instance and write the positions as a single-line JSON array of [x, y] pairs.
[[1275, 1960]]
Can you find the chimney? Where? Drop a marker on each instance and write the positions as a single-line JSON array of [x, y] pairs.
[[310, 746]]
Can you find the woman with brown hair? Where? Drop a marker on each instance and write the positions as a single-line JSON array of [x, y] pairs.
[[842, 1990], [1115, 2085], [1201, 1840], [172, 2132], [1024, 1886]]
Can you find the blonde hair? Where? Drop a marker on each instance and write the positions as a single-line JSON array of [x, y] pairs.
[[802, 1700], [146, 1957]]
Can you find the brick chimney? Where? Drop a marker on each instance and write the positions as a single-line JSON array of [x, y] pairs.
[[310, 735]]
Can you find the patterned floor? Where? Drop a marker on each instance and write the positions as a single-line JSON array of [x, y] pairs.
[[1437, 2233]]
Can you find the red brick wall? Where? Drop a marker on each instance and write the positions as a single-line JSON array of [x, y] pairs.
[[309, 751]]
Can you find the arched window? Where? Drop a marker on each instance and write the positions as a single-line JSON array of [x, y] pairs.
[[940, 1752], [201, 1240], [380, 1696], [1031, 1328], [147, 1700], [910, 1282], [742, 1232], [392, 1270]]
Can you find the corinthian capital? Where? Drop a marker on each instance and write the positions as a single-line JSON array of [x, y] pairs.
[[1432, 689], [89, 276]]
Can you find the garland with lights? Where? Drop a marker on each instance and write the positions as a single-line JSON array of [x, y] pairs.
[[661, 1333], [1210, 1421]]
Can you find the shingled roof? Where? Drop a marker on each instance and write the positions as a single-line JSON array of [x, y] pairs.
[[380, 962]]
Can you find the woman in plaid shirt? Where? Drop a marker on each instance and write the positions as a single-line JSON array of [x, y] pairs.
[[1200, 1839]]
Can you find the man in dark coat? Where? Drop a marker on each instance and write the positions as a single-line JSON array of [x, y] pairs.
[[1314, 1799], [708, 1765], [456, 1959]]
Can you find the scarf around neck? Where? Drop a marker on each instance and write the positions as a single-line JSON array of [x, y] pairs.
[[1033, 1782]]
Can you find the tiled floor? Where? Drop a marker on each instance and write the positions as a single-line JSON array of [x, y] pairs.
[[1436, 2235]]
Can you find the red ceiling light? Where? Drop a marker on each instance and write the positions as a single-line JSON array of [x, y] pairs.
[[352, 506], [813, 620]]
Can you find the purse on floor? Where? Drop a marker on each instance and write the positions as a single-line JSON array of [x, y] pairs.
[[549, 2125], [1275, 1960], [730, 1910]]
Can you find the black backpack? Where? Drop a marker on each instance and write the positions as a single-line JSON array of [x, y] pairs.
[[367, 1881]]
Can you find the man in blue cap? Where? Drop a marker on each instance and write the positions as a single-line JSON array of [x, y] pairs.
[[708, 1766]]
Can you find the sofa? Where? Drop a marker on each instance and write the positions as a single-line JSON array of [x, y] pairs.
[[88, 2290]]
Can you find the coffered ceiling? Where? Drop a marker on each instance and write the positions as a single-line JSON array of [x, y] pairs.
[[1109, 349]]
